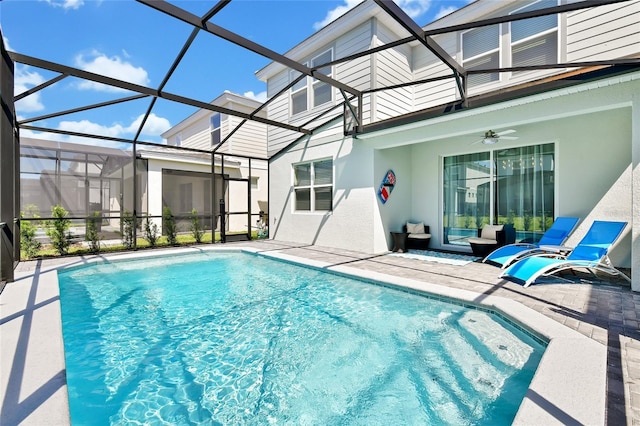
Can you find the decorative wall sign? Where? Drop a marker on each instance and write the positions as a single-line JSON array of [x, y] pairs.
[[387, 185]]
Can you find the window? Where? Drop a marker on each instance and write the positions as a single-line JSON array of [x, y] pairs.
[[535, 41], [481, 50], [532, 41], [514, 185], [322, 91], [298, 94], [310, 91], [216, 136], [178, 140], [313, 186]]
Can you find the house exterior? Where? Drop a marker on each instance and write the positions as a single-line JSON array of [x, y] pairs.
[[87, 179], [182, 182], [576, 130]]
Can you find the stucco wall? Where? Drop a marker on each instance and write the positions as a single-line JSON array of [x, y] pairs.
[[398, 209], [351, 225], [592, 132], [594, 128]]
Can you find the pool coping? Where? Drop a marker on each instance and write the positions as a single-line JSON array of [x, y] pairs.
[[569, 386]]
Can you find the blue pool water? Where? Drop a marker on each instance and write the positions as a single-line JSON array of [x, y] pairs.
[[235, 338]]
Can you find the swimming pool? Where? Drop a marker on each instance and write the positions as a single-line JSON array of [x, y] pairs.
[[236, 338]]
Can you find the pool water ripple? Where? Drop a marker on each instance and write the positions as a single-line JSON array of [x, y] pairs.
[[238, 339]]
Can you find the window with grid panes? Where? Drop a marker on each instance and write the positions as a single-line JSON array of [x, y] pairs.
[[313, 186]]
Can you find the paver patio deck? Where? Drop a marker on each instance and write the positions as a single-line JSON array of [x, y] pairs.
[[601, 308]]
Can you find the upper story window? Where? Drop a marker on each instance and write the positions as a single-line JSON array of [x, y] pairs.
[[216, 136], [178, 139], [532, 41], [298, 94], [322, 91], [481, 49], [313, 186], [309, 92], [535, 41]]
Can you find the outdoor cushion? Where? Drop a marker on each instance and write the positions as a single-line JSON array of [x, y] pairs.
[[421, 236], [489, 232], [415, 228]]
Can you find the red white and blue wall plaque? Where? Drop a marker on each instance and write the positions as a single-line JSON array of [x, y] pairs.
[[387, 185]]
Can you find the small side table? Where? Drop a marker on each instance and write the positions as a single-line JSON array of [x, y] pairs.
[[399, 241]]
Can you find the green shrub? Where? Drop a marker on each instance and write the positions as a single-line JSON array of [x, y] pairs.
[[28, 241], [169, 226], [58, 229], [127, 229], [92, 236], [196, 227], [151, 232]]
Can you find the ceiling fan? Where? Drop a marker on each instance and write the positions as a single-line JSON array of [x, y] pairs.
[[490, 137]]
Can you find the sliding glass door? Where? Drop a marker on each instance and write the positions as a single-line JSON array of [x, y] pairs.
[[514, 185], [467, 195], [525, 189]]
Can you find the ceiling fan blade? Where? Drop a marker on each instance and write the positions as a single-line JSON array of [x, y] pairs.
[[478, 141], [509, 138], [506, 132]]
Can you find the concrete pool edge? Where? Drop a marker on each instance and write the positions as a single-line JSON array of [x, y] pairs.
[[569, 386]]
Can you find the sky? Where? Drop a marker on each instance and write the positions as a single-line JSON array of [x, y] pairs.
[[130, 41]]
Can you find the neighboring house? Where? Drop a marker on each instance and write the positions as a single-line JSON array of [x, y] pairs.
[[577, 129], [87, 178], [183, 180]]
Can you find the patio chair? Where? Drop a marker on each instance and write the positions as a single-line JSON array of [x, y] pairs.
[[490, 237], [556, 235], [590, 254], [418, 235]]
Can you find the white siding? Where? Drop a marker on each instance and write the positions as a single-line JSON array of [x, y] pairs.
[[605, 32], [279, 138], [197, 135], [278, 110], [393, 66], [248, 140], [354, 73], [426, 65]]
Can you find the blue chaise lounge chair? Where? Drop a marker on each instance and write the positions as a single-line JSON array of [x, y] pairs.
[[556, 235], [591, 254]]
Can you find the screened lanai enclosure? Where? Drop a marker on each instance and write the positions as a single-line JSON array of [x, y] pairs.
[[95, 184], [118, 186]]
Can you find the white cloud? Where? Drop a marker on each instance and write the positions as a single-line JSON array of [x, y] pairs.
[[66, 4], [89, 127], [153, 127], [334, 14], [444, 11], [24, 80], [260, 97], [114, 67], [413, 8]]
